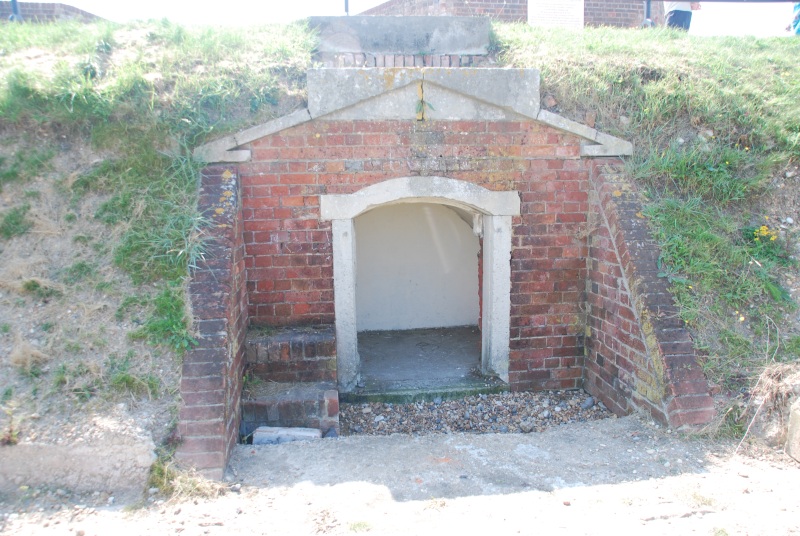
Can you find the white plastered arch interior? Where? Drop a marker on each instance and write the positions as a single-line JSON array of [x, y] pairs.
[[492, 219]]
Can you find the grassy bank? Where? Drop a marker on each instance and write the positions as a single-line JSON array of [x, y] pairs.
[[97, 123]]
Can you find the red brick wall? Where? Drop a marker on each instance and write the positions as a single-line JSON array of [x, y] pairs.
[[40, 11], [639, 353], [624, 13], [211, 382], [288, 250], [509, 10]]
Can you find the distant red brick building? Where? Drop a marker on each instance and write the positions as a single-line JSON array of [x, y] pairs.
[[46, 12], [622, 13]]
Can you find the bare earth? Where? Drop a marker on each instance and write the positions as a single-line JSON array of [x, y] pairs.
[[625, 475]]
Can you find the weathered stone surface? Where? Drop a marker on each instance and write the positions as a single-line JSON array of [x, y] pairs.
[[513, 90], [330, 90], [403, 35], [793, 435], [267, 435]]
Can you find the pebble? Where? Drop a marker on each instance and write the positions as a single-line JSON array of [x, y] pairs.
[[495, 413], [789, 220], [588, 403]]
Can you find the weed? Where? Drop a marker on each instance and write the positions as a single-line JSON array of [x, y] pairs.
[[167, 324], [120, 377], [175, 483], [766, 245], [41, 290], [70, 217], [79, 271], [81, 239], [27, 359], [13, 222], [128, 303], [5, 328], [8, 392], [73, 347], [47, 326], [24, 166], [10, 434]]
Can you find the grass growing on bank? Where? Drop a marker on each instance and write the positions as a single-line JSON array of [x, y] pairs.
[[144, 95], [713, 122]]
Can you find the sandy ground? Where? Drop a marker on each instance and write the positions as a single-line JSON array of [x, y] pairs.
[[625, 475]]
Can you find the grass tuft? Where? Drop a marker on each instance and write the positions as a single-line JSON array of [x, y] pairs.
[[14, 223]]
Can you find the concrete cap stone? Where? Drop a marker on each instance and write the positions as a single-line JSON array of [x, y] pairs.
[[403, 35]]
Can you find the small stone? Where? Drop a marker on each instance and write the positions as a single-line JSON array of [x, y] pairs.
[[789, 174], [526, 426], [236, 488], [549, 101], [624, 120], [588, 403], [331, 433], [437, 400], [378, 418], [545, 414], [504, 429], [789, 220], [366, 410]]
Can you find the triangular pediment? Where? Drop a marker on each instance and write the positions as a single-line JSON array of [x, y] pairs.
[[418, 94]]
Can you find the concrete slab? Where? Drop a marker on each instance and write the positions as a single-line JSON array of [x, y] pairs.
[[421, 364], [330, 90], [269, 435], [793, 435], [403, 35], [514, 90]]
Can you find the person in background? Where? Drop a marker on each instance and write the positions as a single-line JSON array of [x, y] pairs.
[[679, 14], [794, 27]]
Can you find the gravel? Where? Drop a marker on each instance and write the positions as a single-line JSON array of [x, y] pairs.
[[491, 413]]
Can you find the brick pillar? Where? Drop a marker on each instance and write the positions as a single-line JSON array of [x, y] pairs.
[[212, 370]]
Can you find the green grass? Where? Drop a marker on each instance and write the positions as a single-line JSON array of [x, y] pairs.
[[41, 291], [148, 111], [78, 272], [24, 166], [120, 377], [712, 120], [14, 223], [167, 323]]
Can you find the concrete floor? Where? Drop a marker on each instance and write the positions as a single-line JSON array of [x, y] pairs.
[[424, 360]]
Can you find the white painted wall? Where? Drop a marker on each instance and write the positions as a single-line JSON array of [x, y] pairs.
[[417, 267]]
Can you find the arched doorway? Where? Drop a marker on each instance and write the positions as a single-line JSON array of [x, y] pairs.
[[417, 303], [490, 213]]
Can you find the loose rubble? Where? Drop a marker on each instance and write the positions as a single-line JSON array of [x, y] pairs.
[[487, 413]]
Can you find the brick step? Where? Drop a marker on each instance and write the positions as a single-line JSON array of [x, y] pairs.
[[291, 405], [291, 354]]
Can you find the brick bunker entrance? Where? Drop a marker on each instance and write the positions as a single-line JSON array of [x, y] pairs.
[[424, 197]]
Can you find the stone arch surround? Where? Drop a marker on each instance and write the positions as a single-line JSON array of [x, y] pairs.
[[491, 212]]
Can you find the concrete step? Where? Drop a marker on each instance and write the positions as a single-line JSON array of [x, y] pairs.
[[293, 405], [408, 391]]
